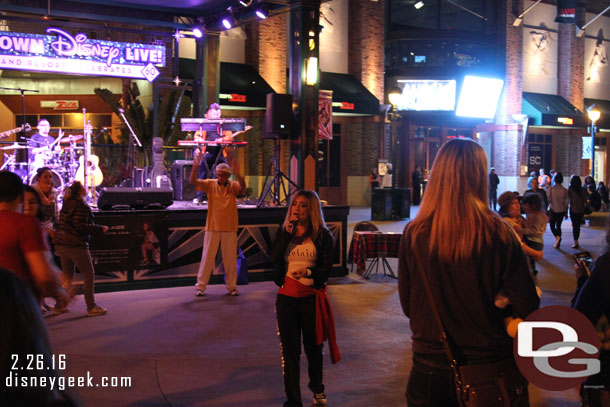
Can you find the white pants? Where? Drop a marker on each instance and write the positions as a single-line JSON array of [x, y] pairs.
[[228, 249]]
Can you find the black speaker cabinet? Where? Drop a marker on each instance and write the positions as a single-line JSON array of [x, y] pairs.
[[138, 198], [401, 202], [381, 204], [181, 173], [278, 118]]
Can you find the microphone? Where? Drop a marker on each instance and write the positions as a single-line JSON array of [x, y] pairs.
[[100, 133], [294, 223]]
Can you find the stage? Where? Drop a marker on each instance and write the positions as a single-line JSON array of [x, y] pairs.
[[175, 237]]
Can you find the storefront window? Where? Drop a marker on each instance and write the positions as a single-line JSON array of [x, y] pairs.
[[539, 152]]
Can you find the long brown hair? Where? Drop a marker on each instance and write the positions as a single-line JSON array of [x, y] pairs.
[[316, 218], [454, 217]]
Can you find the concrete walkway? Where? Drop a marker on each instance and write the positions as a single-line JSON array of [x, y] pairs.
[[180, 350]]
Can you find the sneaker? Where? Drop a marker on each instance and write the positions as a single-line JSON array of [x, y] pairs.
[[60, 309], [319, 399], [234, 292], [199, 293], [575, 245], [196, 201], [96, 311]]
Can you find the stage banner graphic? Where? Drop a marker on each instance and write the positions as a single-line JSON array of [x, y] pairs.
[[132, 242], [61, 52], [566, 11], [325, 107]]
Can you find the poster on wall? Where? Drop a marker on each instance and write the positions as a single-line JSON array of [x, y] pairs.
[[596, 71], [132, 242], [325, 120], [540, 49]]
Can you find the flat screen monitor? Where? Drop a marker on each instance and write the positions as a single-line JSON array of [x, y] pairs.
[[431, 95], [479, 97]]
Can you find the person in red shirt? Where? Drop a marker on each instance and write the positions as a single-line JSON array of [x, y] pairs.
[[22, 246]]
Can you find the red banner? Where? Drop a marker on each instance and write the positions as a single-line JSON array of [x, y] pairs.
[[566, 11], [325, 120]]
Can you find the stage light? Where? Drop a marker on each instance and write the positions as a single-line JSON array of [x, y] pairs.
[[245, 3], [418, 5], [227, 22], [197, 32], [479, 97], [261, 11], [311, 71]]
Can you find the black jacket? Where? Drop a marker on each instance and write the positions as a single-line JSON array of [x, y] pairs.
[[324, 257], [75, 225]]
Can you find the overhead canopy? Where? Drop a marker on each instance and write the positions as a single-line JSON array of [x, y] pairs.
[[551, 110], [349, 94], [240, 84], [604, 109]]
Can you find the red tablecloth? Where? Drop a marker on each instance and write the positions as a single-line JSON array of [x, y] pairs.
[[373, 245]]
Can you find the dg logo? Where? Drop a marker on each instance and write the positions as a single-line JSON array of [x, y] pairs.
[[557, 348]]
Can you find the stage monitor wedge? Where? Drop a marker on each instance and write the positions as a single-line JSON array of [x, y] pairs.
[[137, 198], [279, 118]]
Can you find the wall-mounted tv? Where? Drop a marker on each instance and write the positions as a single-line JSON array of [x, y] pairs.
[[433, 95], [479, 97]]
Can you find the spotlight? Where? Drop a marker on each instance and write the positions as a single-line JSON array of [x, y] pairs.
[[245, 3], [197, 32], [418, 5], [227, 23], [261, 11]]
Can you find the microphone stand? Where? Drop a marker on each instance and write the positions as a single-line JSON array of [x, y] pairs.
[[22, 91], [131, 152]]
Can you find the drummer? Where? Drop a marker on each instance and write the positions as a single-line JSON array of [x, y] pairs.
[[40, 140]]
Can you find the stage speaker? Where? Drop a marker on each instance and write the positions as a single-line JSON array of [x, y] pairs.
[[381, 204], [181, 173], [279, 117], [137, 198]]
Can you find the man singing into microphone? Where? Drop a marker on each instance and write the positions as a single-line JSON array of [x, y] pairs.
[[221, 224]]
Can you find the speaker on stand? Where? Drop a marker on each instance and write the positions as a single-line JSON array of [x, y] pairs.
[[279, 121]]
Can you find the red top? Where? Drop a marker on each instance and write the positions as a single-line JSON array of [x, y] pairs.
[[20, 234]]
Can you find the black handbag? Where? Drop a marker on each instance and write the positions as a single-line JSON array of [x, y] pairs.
[[498, 384]]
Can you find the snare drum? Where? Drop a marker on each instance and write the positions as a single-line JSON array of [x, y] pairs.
[[58, 183]]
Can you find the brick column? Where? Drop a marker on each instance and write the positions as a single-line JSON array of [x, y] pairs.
[[267, 50], [366, 44], [571, 64], [507, 144]]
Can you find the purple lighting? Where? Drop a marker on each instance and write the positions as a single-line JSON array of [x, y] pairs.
[[260, 13], [226, 23], [197, 32]]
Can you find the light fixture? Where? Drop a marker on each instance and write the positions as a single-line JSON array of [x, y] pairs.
[[262, 11], [593, 115], [394, 96], [198, 32], [581, 30], [311, 71], [418, 5], [519, 19], [227, 22], [245, 3]]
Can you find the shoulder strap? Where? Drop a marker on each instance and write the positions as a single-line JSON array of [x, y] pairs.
[[437, 318]]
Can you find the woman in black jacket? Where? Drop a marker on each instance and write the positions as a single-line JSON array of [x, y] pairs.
[[72, 242], [303, 255], [578, 200]]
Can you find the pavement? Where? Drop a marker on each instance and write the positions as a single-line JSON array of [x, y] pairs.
[[222, 351]]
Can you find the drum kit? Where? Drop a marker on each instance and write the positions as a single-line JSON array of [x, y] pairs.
[[62, 157]]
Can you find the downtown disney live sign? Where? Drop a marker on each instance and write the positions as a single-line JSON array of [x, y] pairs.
[[60, 52]]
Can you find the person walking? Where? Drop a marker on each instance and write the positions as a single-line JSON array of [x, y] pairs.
[[303, 252], [535, 189], [220, 225], [72, 242], [494, 180], [559, 201], [468, 259], [578, 199]]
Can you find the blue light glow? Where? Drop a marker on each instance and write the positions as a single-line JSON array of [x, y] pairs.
[[479, 97]]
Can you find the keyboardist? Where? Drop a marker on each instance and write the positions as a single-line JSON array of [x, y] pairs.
[[212, 155]]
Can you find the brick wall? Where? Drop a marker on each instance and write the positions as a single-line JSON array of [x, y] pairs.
[[571, 64], [362, 147], [267, 50], [366, 44], [568, 152]]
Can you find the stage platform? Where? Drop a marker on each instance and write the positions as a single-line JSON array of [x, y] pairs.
[[176, 233]]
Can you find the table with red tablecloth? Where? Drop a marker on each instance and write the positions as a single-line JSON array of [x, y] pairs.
[[375, 246]]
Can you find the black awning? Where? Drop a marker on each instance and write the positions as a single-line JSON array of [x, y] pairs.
[[604, 109], [551, 110], [240, 84], [349, 94]]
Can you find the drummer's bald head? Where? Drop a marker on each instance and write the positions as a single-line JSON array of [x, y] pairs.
[[43, 122]]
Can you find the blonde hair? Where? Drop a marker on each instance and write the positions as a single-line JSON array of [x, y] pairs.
[[454, 217], [316, 217]]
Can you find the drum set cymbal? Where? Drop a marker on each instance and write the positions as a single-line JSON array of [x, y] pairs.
[[71, 139], [15, 146]]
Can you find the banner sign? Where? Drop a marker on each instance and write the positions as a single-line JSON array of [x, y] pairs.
[[60, 52], [566, 11], [59, 104], [325, 109]]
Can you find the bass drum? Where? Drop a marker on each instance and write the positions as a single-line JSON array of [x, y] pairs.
[[58, 183]]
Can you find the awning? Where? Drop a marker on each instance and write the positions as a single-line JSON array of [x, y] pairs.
[[240, 84], [604, 109], [349, 94], [551, 110]]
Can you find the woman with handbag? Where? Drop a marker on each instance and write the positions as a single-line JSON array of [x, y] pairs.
[[450, 269], [303, 255]]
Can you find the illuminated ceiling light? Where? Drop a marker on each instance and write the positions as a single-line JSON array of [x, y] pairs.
[[197, 32], [245, 3], [311, 71], [227, 22], [418, 5]]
